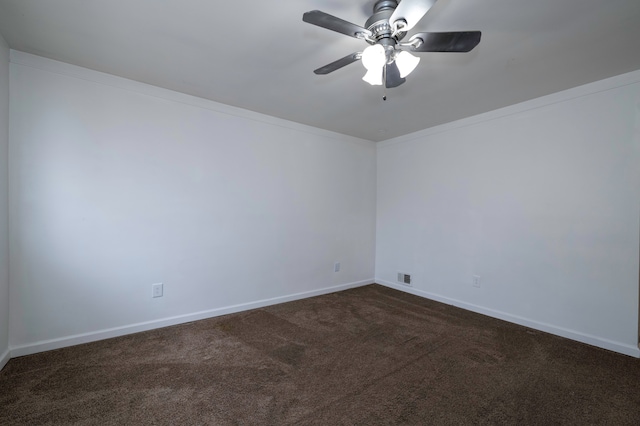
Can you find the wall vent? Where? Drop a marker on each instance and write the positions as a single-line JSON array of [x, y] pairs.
[[404, 278]]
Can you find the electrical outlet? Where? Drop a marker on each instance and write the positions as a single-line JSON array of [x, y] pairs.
[[336, 267], [476, 281], [156, 290]]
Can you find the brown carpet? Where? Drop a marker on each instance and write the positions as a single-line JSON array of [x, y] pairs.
[[365, 356]]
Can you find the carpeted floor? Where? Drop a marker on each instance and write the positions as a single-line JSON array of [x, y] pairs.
[[365, 356]]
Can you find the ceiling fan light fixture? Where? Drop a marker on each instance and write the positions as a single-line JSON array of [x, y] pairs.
[[406, 63], [384, 31], [374, 58]]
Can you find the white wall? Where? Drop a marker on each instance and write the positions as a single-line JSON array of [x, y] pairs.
[[541, 200], [117, 185], [4, 203]]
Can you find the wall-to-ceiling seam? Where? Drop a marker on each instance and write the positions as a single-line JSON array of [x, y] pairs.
[[531, 105]]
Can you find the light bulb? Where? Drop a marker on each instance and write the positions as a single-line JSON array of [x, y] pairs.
[[406, 63], [374, 58]]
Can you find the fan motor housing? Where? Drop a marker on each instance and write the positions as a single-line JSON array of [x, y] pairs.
[[379, 24]]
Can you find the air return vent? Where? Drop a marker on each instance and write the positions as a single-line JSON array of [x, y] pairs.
[[404, 278]]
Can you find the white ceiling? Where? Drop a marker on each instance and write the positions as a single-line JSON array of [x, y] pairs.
[[260, 56]]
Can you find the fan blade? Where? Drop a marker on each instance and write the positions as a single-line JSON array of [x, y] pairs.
[[338, 64], [411, 11], [330, 22], [462, 41], [393, 76]]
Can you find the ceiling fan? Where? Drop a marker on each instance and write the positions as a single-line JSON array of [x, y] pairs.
[[387, 58]]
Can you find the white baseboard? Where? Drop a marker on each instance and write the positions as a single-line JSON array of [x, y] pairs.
[[4, 359], [78, 339], [631, 350]]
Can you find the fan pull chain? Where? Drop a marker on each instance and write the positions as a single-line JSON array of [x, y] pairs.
[[384, 82]]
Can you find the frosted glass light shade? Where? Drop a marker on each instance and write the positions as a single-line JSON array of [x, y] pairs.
[[406, 63], [373, 59], [373, 77]]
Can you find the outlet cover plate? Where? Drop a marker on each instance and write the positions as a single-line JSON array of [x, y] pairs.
[[476, 281], [156, 290]]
